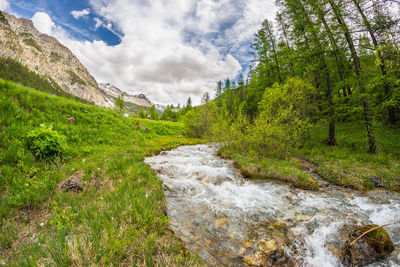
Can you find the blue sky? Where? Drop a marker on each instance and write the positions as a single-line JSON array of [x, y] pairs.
[[83, 28], [166, 49]]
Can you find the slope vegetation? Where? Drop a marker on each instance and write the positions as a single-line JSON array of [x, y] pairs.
[[111, 210]]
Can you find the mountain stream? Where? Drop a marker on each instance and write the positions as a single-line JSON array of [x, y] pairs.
[[232, 221]]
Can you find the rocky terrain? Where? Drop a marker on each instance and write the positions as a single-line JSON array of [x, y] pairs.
[[21, 41], [114, 92]]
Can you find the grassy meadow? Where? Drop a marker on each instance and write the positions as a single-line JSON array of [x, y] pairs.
[[346, 164], [117, 219]]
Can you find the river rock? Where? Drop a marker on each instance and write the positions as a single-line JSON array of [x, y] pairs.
[[279, 225], [257, 259], [248, 243], [220, 222], [376, 181], [370, 248], [303, 217], [267, 246]]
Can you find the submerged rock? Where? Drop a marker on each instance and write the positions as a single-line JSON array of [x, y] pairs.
[[257, 259], [267, 246], [372, 247], [220, 222]]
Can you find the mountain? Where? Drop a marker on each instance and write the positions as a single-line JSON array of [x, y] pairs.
[[43, 54], [133, 102], [114, 92]]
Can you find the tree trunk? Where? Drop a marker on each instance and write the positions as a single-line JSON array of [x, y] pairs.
[[324, 66], [372, 148], [382, 66]]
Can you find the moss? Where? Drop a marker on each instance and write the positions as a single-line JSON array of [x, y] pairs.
[[378, 239]]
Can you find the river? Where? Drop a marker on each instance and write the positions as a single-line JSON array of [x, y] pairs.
[[231, 221]]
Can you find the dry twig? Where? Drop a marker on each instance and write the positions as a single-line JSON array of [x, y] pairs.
[[370, 230]]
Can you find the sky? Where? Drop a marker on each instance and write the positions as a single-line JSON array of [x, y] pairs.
[[167, 49]]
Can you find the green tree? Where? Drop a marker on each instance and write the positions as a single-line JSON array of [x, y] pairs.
[[153, 113], [119, 105], [142, 114], [286, 112], [337, 11], [219, 89], [227, 85]]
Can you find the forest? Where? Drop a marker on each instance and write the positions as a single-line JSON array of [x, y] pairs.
[[325, 75]]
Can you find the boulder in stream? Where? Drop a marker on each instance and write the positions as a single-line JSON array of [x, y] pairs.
[[372, 247]]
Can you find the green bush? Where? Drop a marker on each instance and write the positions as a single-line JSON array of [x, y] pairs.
[[285, 114], [47, 144]]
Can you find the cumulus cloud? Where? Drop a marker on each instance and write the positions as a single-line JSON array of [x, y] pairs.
[[43, 23], [169, 50], [77, 14], [4, 4]]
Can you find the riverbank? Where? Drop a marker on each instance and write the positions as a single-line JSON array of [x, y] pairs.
[[96, 202], [345, 165], [232, 221]]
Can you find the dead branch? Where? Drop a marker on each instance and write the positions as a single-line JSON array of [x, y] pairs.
[[370, 230]]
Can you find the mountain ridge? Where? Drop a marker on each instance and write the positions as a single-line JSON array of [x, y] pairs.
[[46, 56]]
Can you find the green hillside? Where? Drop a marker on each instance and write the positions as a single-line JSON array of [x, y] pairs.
[[117, 219], [14, 71]]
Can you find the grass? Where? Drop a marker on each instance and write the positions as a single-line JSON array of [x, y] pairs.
[[346, 164], [15, 71], [119, 217], [288, 171]]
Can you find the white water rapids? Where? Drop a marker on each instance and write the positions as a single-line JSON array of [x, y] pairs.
[[230, 221]]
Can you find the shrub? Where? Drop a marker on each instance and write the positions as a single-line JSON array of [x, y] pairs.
[[47, 144], [119, 105], [75, 78], [285, 114], [32, 43]]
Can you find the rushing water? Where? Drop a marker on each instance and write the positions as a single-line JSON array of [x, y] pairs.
[[231, 221]]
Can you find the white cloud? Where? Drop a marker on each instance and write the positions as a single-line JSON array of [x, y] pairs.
[[4, 4], [43, 23], [169, 50], [99, 23], [82, 13]]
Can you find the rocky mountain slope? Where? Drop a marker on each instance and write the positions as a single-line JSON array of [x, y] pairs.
[[114, 92], [41, 53]]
